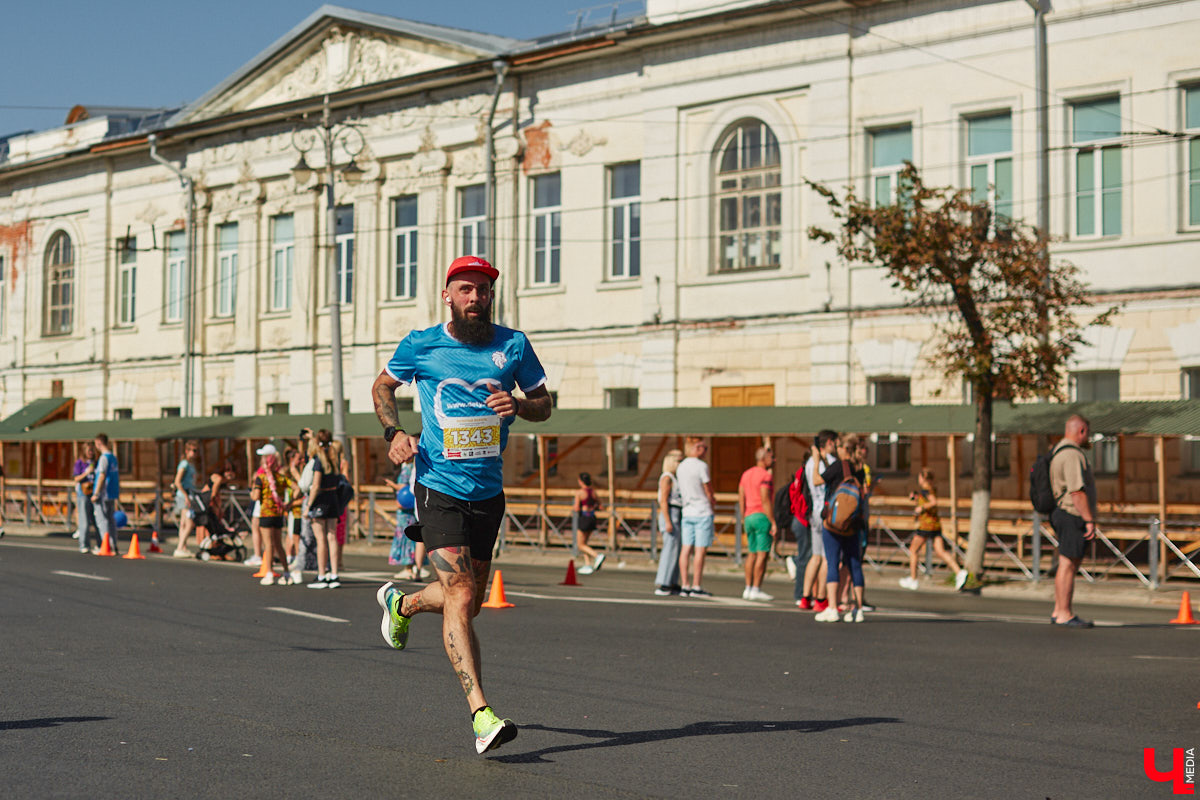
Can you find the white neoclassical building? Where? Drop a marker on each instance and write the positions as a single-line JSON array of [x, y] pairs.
[[640, 185]]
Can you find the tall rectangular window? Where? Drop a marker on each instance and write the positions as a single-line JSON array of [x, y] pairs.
[[344, 243], [404, 255], [127, 280], [472, 220], [173, 302], [1095, 131], [227, 269], [1191, 112], [625, 219], [990, 162], [890, 148], [547, 228], [283, 254]]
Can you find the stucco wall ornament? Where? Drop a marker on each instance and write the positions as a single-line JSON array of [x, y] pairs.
[[582, 143]]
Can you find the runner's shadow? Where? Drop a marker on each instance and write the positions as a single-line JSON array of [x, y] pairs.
[[624, 739], [44, 722]]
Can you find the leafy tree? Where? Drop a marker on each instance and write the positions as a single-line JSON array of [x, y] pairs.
[[1005, 315]]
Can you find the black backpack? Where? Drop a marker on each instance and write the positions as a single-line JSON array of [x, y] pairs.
[[783, 507], [1041, 494]]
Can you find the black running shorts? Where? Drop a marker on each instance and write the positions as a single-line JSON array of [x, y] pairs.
[[447, 521]]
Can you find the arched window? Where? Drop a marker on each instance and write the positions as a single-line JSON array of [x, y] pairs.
[[60, 285], [749, 200]]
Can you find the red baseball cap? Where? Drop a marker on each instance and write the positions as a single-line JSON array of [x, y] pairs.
[[471, 264]]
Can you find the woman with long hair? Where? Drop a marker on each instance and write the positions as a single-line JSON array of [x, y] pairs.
[[85, 476], [270, 488], [324, 507], [670, 519]]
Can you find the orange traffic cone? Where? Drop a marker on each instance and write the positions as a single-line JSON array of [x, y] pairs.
[[497, 598], [154, 546], [106, 548], [570, 579], [263, 571], [134, 550], [1185, 611]]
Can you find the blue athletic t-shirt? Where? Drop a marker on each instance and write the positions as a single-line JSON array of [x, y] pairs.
[[461, 438], [107, 463]]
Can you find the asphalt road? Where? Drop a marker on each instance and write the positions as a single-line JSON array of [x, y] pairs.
[[166, 678]]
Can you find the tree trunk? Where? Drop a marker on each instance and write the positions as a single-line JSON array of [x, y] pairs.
[[981, 488]]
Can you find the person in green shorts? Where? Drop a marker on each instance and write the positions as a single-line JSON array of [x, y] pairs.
[[755, 491]]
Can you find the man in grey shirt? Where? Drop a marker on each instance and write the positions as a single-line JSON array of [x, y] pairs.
[[695, 487]]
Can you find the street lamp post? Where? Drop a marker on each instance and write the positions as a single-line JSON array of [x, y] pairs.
[[353, 142]]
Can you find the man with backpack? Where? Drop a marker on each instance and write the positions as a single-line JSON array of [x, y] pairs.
[[1073, 517], [824, 447]]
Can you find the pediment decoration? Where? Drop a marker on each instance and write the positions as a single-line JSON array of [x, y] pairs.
[[338, 58]]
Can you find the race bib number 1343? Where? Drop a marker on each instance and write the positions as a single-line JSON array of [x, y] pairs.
[[471, 437]]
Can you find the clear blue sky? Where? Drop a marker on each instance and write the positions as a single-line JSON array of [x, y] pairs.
[[58, 53]]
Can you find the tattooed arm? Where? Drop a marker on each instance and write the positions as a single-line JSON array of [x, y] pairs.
[[383, 393]]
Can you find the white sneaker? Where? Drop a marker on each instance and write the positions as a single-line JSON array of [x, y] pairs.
[[758, 594], [910, 583], [268, 579], [322, 582], [297, 577], [599, 562], [960, 579], [828, 615], [585, 570], [746, 593], [853, 615], [790, 563], [332, 582], [253, 561]]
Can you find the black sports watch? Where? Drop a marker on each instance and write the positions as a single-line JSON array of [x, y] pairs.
[[390, 432]]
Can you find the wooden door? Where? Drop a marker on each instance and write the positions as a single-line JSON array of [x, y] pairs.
[[731, 456]]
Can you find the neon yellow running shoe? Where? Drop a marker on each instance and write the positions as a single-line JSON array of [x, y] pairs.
[[491, 731], [394, 626]]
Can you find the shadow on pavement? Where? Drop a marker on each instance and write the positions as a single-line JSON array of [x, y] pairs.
[[44, 722], [624, 739]]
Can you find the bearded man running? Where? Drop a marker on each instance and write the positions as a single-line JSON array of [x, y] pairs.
[[465, 372]]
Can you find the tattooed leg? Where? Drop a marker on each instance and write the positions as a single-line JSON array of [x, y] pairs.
[[457, 580]]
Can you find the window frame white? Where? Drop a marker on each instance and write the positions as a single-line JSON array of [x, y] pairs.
[[344, 260], [762, 182], [283, 263], [991, 162], [473, 229], [1191, 156], [405, 249], [545, 234], [126, 258], [173, 292], [890, 170], [225, 294], [624, 227], [1097, 149], [60, 279]]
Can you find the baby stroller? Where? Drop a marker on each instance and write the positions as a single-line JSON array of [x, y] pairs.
[[222, 542]]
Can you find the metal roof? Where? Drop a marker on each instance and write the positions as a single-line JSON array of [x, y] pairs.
[[1167, 418], [32, 414]]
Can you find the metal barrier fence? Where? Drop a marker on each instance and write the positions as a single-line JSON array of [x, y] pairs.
[[1130, 542]]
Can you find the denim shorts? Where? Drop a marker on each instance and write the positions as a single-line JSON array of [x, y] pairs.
[[698, 531]]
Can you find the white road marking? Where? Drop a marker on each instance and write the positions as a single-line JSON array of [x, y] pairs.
[[1168, 658], [306, 614], [81, 575], [714, 621]]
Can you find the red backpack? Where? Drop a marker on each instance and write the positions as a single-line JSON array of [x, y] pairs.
[[801, 504]]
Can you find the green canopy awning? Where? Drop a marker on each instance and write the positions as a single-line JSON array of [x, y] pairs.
[[1167, 418]]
